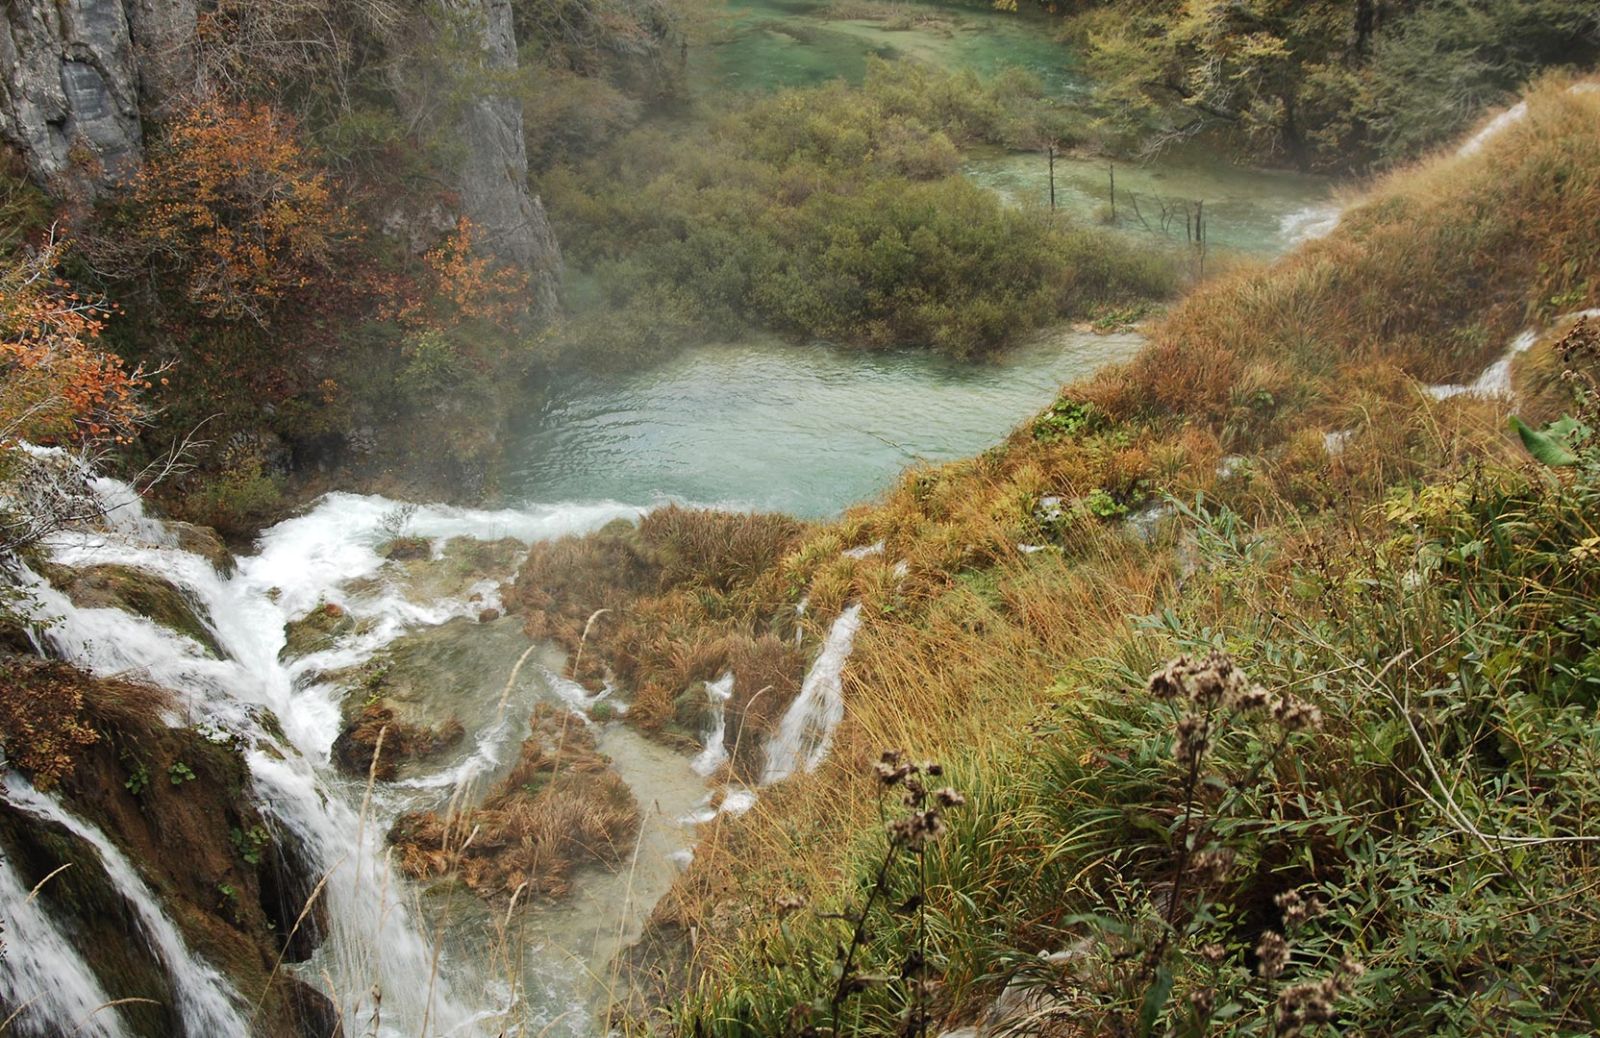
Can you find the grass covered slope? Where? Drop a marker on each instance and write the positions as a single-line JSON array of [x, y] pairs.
[[1414, 584]]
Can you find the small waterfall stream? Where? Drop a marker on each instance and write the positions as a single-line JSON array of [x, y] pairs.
[[44, 975], [805, 734], [208, 1004]]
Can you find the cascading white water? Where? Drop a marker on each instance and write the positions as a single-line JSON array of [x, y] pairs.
[[805, 734], [207, 1004], [1509, 118], [1310, 223], [715, 754], [375, 943], [1495, 382], [42, 973]]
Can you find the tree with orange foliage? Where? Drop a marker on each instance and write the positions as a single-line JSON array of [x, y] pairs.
[[56, 384], [230, 204], [468, 286], [57, 387]]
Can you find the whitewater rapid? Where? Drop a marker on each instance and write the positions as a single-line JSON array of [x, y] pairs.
[[376, 945]]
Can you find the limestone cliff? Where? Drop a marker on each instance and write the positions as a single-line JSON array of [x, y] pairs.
[[69, 85], [80, 78], [493, 175]]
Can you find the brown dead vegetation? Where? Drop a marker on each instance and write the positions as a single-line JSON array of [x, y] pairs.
[[680, 599], [560, 807], [377, 742]]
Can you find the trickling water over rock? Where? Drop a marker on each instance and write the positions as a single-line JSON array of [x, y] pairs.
[[805, 735]]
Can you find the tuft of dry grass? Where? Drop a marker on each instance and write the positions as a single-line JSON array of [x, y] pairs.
[[357, 748], [560, 806]]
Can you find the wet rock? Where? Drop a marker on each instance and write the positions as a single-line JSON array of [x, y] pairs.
[[407, 549], [204, 542], [138, 592], [314, 1014], [178, 805]]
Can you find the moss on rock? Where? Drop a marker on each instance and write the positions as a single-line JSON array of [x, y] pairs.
[[111, 586]]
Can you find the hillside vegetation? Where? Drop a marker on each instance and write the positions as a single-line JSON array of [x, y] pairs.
[[1337, 84], [1308, 740]]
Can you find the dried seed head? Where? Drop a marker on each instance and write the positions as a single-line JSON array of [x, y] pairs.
[[787, 904], [1296, 715], [1272, 953], [1304, 1005], [1194, 739], [1212, 866], [891, 774], [1253, 699], [1204, 1001], [948, 797], [1350, 971], [914, 830], [1296, 909], [1169, 681], [1213, 953]]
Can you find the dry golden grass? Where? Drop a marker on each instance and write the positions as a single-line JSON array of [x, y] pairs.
[[1426, 281], [560, 806]]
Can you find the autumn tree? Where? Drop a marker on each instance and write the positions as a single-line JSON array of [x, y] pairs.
[[58, 387], [1331, 83], [230, 206]]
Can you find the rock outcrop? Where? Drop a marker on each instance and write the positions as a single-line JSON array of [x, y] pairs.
[[80, 78], [75, 76], [493, 175], [69, 85]]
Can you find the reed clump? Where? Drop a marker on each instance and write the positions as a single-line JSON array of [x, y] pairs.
[[560, 806], [681, 598], [377, 742]]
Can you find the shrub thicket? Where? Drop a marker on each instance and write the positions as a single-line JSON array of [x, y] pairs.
[[837, 213]]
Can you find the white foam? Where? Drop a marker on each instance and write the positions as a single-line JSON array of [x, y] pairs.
[[805, 734]]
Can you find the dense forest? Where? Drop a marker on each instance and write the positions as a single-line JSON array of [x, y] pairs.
[[1244, 685]]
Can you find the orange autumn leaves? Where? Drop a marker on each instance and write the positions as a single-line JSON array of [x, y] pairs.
[[231, 204], [56, 383]]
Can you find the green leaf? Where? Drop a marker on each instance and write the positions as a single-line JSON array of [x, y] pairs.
[[1155, 1000], [1546, 446]]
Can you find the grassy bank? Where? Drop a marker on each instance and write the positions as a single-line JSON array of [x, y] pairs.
[[1414, 577]]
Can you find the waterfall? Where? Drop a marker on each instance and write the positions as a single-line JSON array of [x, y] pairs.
[[715, 754], [375, 943], [1310, 223], [207, 1004], [1495, 382], [43, 972], [1509, 118], [806, 732]]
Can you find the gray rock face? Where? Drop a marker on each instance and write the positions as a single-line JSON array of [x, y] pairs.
[[73, 75], [493, 178], [68, 81]]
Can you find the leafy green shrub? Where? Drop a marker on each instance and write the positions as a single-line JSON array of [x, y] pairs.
[[829, 213]]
